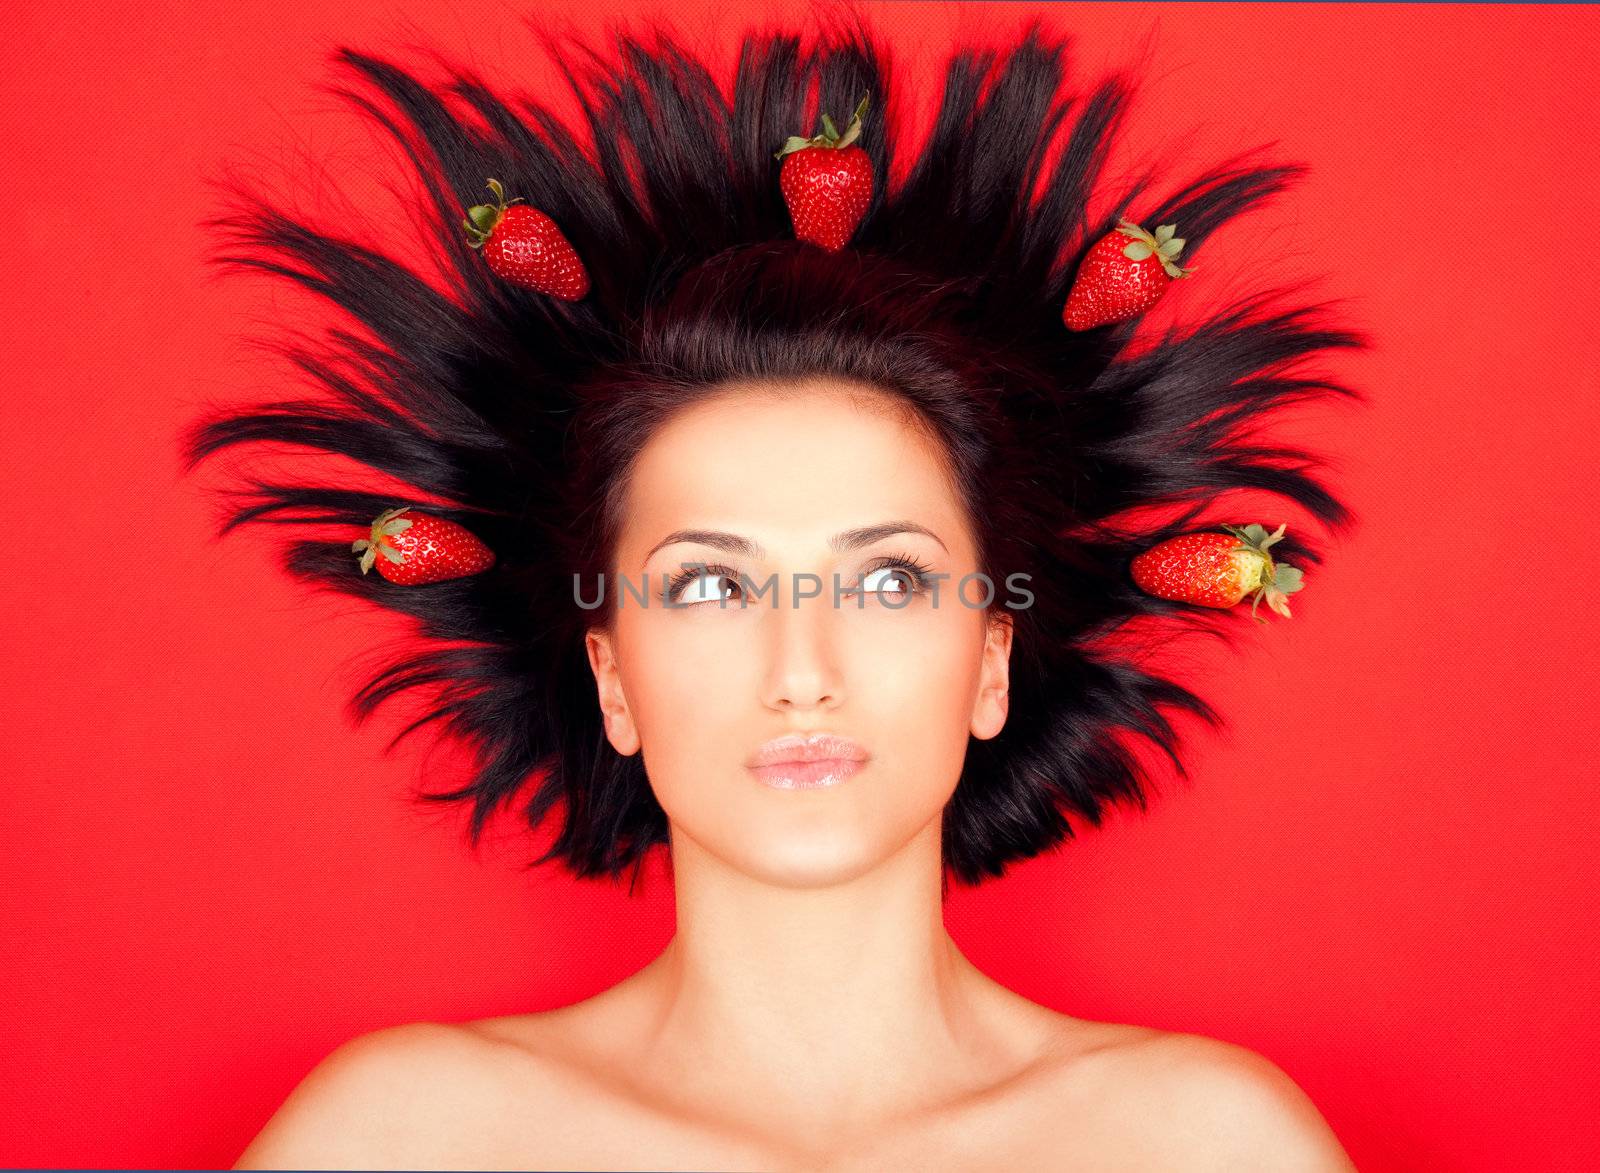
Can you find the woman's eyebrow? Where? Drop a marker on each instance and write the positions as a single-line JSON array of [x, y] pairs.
[[850, 539]]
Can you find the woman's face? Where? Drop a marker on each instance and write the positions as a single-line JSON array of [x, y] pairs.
[[700, 687]]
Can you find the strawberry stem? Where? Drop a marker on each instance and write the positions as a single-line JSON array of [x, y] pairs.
[[1163, 245], [829, 136], [1278, 579], [482, 218]]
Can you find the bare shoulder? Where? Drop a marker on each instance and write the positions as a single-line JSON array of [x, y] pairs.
[[1233, 1104], [374, 1101]]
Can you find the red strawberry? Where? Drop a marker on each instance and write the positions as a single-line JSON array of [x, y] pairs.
[[421, 549], [1124, 273], [525, 247], [827, 182], [1217, 570]]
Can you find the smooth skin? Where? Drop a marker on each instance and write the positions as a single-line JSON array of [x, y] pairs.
[[811, 1012]]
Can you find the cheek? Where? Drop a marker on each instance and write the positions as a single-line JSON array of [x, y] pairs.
[[693, 690], [913, 680]]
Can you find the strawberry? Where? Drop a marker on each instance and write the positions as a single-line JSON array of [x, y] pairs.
[[420, 548], [524, 246], [827, 182], [1124, 273], [1217, 570]]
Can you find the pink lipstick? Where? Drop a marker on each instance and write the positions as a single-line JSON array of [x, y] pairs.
[[807, 762]]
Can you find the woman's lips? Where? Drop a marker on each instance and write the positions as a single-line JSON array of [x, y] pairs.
[[808, 761], [807, 775]]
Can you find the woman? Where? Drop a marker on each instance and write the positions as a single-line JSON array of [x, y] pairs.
[[800, 558]]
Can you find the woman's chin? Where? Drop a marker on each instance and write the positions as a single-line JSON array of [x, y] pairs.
[[816, 860]]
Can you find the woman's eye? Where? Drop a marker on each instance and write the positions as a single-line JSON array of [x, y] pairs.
[[690, 591], [893, 580]]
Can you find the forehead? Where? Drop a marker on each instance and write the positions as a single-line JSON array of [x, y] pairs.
[[795, 464]]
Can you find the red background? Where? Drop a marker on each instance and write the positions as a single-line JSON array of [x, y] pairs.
[[1382, 879]]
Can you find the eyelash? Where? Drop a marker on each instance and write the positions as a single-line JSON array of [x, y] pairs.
[[917, 570]]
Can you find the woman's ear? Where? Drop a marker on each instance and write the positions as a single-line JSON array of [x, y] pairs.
[[994, 686], [620, 729]]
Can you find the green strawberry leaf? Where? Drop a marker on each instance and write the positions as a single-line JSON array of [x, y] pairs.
[[1137, 250], [795, 142], [851, 133], [852, 130], [1288, 578]]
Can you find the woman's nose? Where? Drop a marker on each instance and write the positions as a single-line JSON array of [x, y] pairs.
[[799, 641]]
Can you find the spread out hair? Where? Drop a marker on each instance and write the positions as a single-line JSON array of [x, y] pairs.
[[514, 411]]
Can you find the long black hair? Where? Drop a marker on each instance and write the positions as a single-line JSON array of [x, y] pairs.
[[518, 414]]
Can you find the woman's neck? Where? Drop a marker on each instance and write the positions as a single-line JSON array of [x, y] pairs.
[[820, 1006]]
